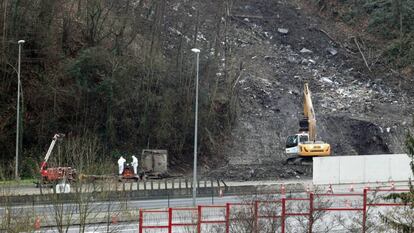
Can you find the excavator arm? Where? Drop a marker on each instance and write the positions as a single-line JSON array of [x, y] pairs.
[[309, 113], [311, 147], [304, 144]]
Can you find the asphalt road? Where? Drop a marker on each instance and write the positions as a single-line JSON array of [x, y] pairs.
[[119, 228], [157, 184], [102, 208], [159, 203]]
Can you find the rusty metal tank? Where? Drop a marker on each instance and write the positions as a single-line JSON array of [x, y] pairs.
[[155, 161]]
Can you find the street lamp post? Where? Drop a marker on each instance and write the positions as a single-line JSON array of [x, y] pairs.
[[20, 42], [197, 52]]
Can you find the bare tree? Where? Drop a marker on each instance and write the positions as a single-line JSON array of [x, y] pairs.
[[62, 212], [13, 218]]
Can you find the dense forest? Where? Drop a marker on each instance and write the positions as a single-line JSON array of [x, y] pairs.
[[386, 23], [109, 74], [119, 76]]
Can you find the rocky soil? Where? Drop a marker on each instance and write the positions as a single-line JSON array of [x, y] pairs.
[[280, 47]]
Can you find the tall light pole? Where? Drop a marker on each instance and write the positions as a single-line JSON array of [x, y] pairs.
[[197, 52], [20, 42]]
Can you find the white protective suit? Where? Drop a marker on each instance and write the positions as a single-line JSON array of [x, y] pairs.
[[121, 162], [135, 164]]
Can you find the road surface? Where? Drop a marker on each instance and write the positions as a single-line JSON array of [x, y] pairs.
[[100, 210]]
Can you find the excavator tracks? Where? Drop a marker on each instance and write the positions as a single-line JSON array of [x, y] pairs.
[[299, 161]]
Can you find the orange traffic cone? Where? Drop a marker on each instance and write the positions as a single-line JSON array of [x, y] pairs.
[[347, 204], [351, 189], [330, 190], [114, 219], [37, 223], [283, 190]]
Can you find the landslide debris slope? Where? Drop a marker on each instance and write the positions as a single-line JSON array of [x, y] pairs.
[[280, 48]]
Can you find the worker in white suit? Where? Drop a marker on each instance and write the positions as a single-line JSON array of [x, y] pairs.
[[135, 164], [121, 163]]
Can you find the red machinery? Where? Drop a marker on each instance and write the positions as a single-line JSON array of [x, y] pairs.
[[55, 174], [128, 173]]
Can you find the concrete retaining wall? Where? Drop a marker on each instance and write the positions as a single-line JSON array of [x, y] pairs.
[[361, 169]]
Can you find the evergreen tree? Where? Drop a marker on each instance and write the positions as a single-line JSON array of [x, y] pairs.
[[403, 219]]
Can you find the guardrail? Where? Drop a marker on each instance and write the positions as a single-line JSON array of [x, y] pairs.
[[157, 189]]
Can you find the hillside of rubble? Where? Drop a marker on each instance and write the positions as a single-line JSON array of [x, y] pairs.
[[359, 110]]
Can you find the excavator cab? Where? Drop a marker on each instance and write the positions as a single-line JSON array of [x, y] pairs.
[[293, 142]]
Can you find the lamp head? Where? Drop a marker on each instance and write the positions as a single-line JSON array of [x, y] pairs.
[[195, 50], [21, 41]]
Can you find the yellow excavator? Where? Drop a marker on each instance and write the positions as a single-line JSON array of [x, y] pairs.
[[303, 146]]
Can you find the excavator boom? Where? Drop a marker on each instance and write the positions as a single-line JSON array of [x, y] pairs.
[[309, 112]]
